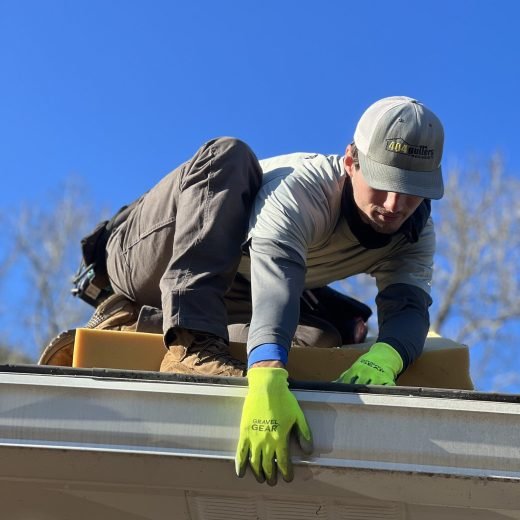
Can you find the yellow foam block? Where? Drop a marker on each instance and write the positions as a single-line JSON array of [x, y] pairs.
[[443, 364], [115, 349]]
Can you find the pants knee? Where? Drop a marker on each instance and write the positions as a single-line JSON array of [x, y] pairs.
[[233, 147], [232, 154]]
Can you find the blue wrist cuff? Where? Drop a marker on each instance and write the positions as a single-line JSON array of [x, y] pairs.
[[267, 352]]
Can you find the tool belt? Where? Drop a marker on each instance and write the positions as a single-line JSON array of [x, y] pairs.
[[91, 282]]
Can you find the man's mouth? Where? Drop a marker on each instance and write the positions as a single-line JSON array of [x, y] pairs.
[[390, 217]]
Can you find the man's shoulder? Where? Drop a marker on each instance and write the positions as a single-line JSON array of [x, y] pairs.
[[303, 159], [313, 165]]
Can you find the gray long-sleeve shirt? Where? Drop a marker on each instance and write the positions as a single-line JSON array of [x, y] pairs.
[[299, 238]]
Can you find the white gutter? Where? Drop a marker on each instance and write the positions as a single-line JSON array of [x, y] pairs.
[[437, 450]]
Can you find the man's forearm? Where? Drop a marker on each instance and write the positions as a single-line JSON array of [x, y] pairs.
[[403, 319], [277, 281]]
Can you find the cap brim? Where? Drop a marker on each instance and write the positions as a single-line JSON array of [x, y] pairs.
[[428, 185]]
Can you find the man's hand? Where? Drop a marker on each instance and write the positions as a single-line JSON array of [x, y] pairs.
[[270, 412], [379, 366]]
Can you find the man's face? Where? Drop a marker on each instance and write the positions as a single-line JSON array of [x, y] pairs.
[[384, 211]]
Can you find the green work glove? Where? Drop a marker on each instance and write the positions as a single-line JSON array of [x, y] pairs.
[[270, 412], [379, 366]]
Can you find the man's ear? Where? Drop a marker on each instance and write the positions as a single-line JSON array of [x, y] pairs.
[[348, 162]]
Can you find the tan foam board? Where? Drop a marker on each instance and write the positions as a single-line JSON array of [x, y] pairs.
[[115, 349], [443, 364]]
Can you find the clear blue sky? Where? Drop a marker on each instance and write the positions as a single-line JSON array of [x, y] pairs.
[[121, 91]]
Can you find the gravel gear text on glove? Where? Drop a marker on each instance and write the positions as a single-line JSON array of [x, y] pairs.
[[379, 366], [269, 415]]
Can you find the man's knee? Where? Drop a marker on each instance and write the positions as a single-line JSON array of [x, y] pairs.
[[233, 148], [315, 332], [235, 157]]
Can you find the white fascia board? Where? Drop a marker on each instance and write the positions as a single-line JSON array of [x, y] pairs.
[[390, 443]]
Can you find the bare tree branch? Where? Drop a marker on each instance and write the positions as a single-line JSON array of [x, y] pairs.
[[7, 253], [47, 241], [476, 278]]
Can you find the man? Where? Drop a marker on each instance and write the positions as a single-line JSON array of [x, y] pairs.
[[317, 219], [189, 260]]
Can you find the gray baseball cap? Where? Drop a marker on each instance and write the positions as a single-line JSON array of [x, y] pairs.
[[400, 143]]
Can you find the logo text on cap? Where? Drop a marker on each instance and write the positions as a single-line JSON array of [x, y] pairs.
[[399, 145]]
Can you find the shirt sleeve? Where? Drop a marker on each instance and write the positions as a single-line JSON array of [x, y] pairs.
[[277, 280], [296, 206], [404, 320], [404, 283]]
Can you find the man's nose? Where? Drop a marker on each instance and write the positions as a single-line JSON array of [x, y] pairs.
[[393, 202]]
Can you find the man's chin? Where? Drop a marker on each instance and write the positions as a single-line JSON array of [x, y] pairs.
[[386, 228]]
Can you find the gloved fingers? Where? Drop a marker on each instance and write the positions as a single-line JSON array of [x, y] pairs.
[[375, 378], [255, 462], [361, 375], [269, 466], [303, 433], [242, 457], [349, 377], [306, 444], [284, 464]]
